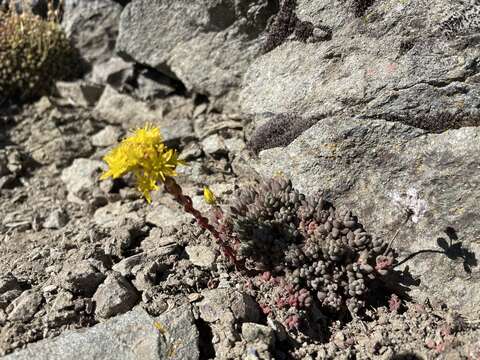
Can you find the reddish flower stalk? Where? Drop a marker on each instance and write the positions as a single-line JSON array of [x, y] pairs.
[[175, 190]]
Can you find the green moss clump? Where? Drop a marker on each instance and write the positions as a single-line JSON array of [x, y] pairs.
[[34, 53]]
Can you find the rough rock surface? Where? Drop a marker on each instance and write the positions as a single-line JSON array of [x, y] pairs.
[[163, 216], [117, 108], [93, 27], [45, 145], [56, 220], [379, 65], [25, 306], [126, 337], [357, 69], [115, 296], [381, 170], [81, 177], [79, 93], [220, 303], [202, 256], [107, 137], [206, 44], [223, 310], [80, 278]]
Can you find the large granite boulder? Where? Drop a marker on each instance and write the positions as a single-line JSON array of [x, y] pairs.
[[416, 62], [134, 335], [383, 170], [93, 27], [374, 110], [207, 44]]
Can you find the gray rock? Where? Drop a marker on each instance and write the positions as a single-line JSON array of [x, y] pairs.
[[8, 282], [155, 244], [45, 145], [57, 219], [8, 296], [125, 77], [235, 145], [79, 93], [151, 84], [10, 289], [218, 303], [120, 241], [43, 105], [176, 130], [116, 214], [125, 266], [214, 145], [224, 309], [24, 307], [129, 194], [195, 171], [3, 315], [222, 189], [115, 296], [114, 72], [146, 275], [191, 152], [12, 161], [81, 178], [381, 66], [380, 170], [93, 27], [126, 337], [63, 301], [260, 339], [107, 137], [123, 109], [199, 203], [202, 256], [165, 216], [16, 160], [252, 332], [80, 278], [181, 337], [206, 44]]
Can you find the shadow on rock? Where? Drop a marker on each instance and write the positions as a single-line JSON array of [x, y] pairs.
[[453, 249], [406, 356]]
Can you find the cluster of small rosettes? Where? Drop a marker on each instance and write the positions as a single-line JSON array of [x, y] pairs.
[[309, 244], [34, 53]]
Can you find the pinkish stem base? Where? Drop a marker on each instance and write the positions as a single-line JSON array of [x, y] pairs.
[[175, 190]]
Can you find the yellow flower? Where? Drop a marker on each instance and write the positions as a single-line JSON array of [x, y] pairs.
[[145, 155], [209, 196]]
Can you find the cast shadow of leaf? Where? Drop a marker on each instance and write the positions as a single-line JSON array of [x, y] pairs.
[[453, 249]]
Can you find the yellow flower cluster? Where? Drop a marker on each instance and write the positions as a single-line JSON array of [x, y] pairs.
[[145, 155]]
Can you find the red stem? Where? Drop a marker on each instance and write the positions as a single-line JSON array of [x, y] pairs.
[[175, 190]]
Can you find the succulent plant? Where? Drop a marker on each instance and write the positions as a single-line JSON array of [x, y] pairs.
[[34, 53], [315, 254]]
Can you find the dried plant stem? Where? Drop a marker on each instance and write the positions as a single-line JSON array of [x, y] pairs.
[[185, 201], [409, 215]]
